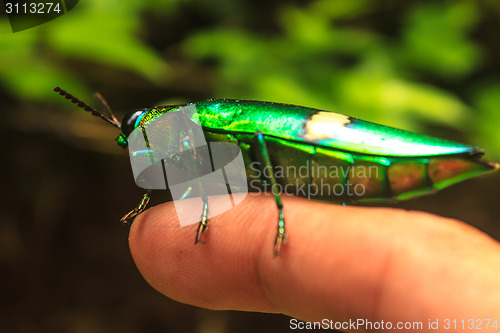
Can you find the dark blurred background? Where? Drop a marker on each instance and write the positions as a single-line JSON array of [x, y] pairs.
[[425, 66]]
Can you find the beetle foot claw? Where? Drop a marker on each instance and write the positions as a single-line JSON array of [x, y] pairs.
[[127, 219], [202, 227], [279, 242]]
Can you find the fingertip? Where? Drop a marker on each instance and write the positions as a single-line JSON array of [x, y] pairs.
[[216, 274], [236, 269], [337, 261]]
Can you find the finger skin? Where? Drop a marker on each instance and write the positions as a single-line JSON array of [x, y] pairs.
[[338, 263]]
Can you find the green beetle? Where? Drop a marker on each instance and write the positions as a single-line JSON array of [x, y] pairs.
[[354, 160]]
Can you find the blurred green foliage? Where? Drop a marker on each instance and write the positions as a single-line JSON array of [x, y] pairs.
[[318, 60], [436, 39], [105, 32], [405, 65]]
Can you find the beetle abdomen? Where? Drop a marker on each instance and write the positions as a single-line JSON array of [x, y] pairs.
[[326, 174]]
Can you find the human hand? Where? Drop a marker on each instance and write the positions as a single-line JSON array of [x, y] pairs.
[[339, 263]]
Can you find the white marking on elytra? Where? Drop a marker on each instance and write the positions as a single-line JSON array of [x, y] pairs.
[[325, 125]]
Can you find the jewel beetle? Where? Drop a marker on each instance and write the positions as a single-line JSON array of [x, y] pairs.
[[367, 161]]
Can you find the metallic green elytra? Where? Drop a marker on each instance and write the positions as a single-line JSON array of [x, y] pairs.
[[304, 149]]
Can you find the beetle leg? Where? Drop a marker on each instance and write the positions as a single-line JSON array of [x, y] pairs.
[[203, 225], [264, 156], [128, 218]]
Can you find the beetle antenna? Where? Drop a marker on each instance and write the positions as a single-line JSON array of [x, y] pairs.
[[107, 108], [113, 121]]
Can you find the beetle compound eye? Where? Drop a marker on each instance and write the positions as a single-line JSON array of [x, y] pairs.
[[130, 120]]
